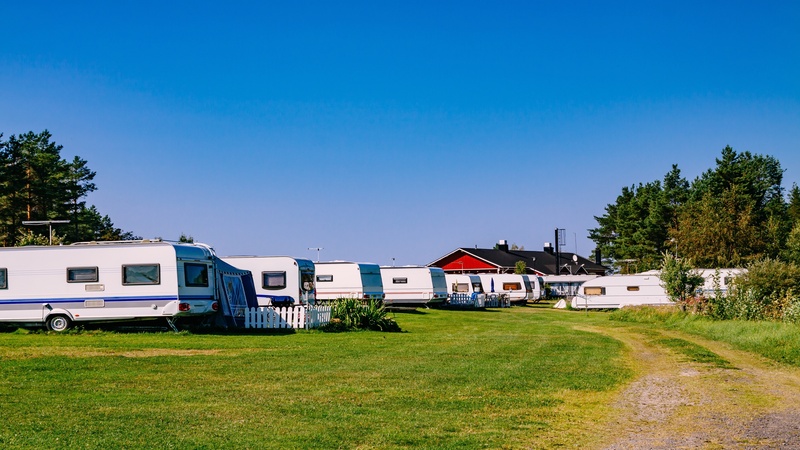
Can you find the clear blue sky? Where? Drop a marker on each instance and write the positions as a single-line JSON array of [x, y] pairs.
[[382, 130]]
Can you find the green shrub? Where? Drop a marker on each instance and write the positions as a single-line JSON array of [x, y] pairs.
[[353, 314]]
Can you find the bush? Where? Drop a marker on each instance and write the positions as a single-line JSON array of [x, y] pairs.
[[767, 291], [353, 314]]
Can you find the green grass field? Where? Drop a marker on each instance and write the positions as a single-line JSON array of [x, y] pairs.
[[519, 377]]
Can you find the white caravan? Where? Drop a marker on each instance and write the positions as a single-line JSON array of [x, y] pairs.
[[518, 288], [725, 278], [616, 291], [463, 284], [566, 285], [413, 285], [279, 280], [344, 279], [643, 288], [57, 286]]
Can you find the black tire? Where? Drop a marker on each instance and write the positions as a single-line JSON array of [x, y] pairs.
[[58, 323]]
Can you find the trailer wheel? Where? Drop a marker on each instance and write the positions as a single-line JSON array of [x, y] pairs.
[[58, 323]]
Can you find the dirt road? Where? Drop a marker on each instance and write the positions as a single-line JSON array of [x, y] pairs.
[[737, 401]]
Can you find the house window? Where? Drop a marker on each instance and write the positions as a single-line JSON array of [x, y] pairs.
[[324, 278], [594, 290], [133, 274], [196, 275], [3, 278], [82, 274], [512, 286], [633, 288], [400, 280], [273, 280]]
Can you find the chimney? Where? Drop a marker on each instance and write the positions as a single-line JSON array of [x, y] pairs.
[[502, 245], [548, 248], [598, 258]]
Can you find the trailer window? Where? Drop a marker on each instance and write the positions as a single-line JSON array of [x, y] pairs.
[[400, 280], [308, 281], [141, 274], [477, 287], [324, 278], [594, 290], [633, 288], [273, 280], [196, 275], [4, 278], [460, 287], [82, 274], [511, 286]]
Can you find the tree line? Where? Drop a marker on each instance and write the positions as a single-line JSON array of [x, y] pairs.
[[732, 215], [37, 184]]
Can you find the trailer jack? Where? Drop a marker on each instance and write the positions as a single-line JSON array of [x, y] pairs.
[[171, 324]]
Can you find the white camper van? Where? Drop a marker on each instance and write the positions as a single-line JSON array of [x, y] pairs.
[[57, 286], [279, 280], [344, 279], [616, 291], [517, 287], [413, 285], [463, 284]]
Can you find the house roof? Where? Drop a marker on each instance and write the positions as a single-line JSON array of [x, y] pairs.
[[493, 260]]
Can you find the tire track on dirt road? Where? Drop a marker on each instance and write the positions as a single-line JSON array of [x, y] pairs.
[[675, 403]]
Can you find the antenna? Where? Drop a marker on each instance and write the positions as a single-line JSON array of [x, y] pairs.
[[318, 250]]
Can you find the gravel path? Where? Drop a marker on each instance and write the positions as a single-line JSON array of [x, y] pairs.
[[679, 404]]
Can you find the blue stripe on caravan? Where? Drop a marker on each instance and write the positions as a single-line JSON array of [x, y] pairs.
[[24, 301]]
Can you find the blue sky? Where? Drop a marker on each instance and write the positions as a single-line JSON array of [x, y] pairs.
[[382, 130]]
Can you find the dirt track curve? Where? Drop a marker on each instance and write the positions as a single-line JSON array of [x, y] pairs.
[[675, 403]]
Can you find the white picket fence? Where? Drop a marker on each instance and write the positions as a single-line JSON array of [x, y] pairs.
[[298, 317]]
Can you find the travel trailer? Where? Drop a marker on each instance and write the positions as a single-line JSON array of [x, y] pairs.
[[463, 284], [723, 282], [279, 280], [518, 288], [616, 291], [566, 285], [643, 288], [413, 285], [57, 286], [344, 279]]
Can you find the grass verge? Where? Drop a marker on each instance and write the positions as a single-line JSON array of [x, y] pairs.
[[774, 340]]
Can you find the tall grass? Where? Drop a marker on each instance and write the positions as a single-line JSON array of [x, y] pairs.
[[778, 341]]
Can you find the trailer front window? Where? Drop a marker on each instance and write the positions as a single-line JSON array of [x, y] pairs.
[[273, 280], [82, 275], [196, 275], [3, 278], [141, 274], [308, 281]]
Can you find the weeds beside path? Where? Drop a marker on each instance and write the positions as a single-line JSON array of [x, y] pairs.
[[695, 393]]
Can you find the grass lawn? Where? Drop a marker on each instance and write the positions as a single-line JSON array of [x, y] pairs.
[[513, 378]]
